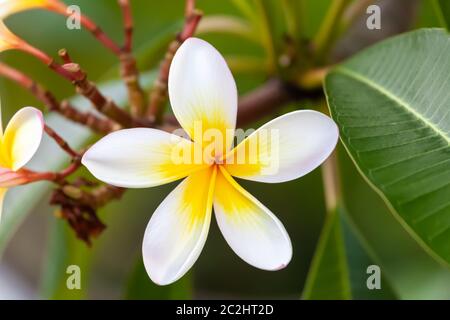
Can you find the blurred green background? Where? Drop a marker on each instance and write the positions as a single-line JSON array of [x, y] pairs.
[[39, 252]]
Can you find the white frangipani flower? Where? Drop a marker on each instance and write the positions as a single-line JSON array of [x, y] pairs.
[[18, 144], [9, 7], [203, 96]]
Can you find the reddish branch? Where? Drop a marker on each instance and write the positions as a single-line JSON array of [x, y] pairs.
[[100, 35], [127, 24], [64, 108], [128, 68], [61, 142], [158, 96], [78, 77], [55, 177], [73, 72]]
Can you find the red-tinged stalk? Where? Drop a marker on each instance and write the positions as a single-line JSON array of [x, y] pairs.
[[128, 68], [158, 95], [96, 124]]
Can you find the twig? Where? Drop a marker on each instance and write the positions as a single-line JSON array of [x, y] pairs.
[[128, 68], [72, 72], [88, 89], [61, 142], [158, 94], [326, 36], [64, 108], [55, 177], [99, 34], [127, 24]]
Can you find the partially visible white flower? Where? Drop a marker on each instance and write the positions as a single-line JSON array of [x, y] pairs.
[[8, 40], [18, 144], [9, 7], [202, 90]]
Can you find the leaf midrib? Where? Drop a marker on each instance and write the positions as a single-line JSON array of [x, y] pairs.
[[360, 77]]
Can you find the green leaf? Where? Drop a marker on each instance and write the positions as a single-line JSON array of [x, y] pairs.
[[140, 287], [391, 104], [328, 277], [442, 9], [65, 250], [339, 267]]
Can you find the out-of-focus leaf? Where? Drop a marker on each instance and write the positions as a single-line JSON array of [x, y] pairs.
[[140, 287], [227, 24], [391, 104], [266, 29], [56, 259], [242, 64], [65, 250], [328, 277], [149, 55], [339, 267], [359, 257], [246, 8], [293, 11], [442, 9]]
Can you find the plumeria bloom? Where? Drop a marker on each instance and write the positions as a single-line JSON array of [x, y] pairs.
[[9, 7], [8, 40], [204, 98], [18, 144]]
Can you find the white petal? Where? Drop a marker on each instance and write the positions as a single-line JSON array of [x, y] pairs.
[[202, 89], [22, 137], [251, 230], [178, 229], [285, 148], [9, 7], [139, 158]]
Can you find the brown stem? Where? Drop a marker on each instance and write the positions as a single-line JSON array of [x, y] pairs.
[[130, 75], [158, 96], [127, 24], [128, 68], [90, 120], [88, 89], [55, 177], [61, 142], [72, 72], [95, 198], [100, 35], [79, 207], [65, 56], [93, 28]]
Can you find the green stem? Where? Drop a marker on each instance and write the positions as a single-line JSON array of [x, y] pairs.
[[293, 13], [266, 34], [439, 13], [331, 183], [328, 32], [245, 8]]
